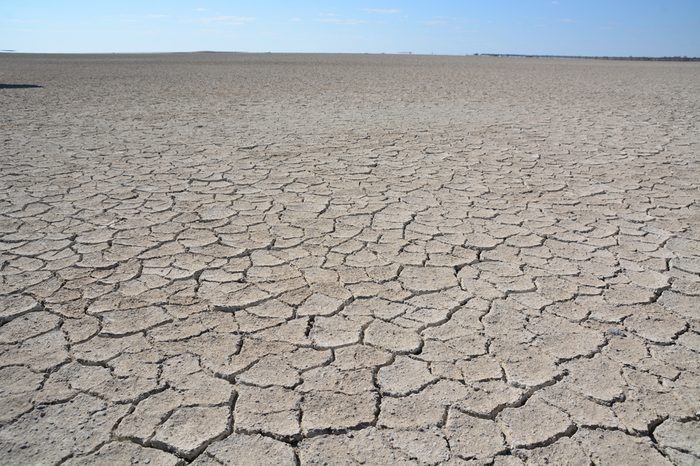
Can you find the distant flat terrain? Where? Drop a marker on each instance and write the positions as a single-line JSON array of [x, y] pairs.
[[338, 259]]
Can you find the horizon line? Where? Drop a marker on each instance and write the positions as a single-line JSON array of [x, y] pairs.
[[680, 58]]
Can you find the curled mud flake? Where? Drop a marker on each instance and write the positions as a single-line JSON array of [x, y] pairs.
[[189, 430], [534, 424], [471, 437], [253, 450]]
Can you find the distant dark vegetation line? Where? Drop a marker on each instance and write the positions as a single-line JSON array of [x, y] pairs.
[[19, 86], [590, 57]]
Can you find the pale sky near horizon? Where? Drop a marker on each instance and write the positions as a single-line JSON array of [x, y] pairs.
[[552, 27]]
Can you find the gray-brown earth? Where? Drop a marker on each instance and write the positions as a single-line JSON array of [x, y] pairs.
[[272, 259]]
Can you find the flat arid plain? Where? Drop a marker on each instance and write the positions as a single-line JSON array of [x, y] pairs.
[[348, 259]]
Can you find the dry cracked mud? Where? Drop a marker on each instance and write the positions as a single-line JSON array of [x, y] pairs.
[[297, 259]]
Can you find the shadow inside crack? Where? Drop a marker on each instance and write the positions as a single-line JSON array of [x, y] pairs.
[[19, 86]]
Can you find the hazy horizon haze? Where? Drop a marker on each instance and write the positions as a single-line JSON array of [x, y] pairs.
[[549, 27]]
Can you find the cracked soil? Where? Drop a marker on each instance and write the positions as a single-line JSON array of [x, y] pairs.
[[301, 259]]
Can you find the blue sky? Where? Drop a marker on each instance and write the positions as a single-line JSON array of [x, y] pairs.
[[563, 27]]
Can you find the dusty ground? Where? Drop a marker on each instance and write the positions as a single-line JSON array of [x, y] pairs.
[[242, 259]]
